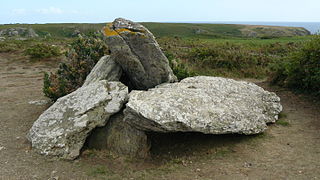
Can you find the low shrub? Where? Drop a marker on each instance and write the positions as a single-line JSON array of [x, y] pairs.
[[7, 47], [83, 54], [179, 68], [41, 50], [301, 69], [240, 58], [226, 59]]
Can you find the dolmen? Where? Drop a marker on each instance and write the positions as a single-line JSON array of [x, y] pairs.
[[133, 91]]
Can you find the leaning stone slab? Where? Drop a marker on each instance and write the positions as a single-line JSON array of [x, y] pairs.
[[63, 128], [209, 105], [135, 49], [105, 69]]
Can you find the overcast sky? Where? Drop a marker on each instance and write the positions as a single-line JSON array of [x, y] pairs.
[[54, 11]]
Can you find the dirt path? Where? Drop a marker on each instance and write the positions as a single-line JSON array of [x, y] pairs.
[[283, 152]]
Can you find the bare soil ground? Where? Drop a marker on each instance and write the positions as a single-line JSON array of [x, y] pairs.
[[289, 150]]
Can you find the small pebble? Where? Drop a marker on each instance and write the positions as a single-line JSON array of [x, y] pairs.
[[39, 102]]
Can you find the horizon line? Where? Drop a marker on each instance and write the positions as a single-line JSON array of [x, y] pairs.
[[200, 21]]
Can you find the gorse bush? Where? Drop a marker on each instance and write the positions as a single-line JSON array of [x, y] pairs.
[[42, 50], [83, 54], [301, 69]]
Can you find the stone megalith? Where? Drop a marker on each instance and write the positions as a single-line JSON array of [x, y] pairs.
[[62, 129], [135, 49], [209, 105], [120, 138]]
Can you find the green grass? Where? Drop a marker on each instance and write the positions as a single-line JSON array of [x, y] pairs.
[[254, 42], [217, 50], [228, 57], [282, 120], [98, 171], [58, 30], [185, 30]]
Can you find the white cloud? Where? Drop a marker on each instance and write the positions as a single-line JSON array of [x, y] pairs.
[[19, 11], [50, 10]]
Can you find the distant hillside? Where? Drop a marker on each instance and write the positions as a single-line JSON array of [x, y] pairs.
[[218, 30], [171, 29], [273, 31]]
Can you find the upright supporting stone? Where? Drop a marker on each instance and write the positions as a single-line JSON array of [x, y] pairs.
[[105, 69], [62, 129], [120, 138], [135, 49]]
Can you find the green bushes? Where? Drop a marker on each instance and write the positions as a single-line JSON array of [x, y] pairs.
[[7, 47], [42, 50], [83, 54], [301, 69], [221, 57], [240, 58], [179, 68]]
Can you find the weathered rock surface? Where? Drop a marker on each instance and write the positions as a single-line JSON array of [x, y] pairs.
[[19, 32], [62, 129], [105, 69], [120, 138], [210, 105], [135, 49]]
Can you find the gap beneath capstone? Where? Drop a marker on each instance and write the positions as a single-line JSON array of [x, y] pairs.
[[185, 144], [165, 146]]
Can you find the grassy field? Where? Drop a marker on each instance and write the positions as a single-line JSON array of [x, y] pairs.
[[194, 30], [193, 49], [182, 30]]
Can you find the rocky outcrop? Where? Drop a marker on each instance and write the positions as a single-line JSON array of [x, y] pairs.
[[19, 32], [209, 105], [135, 49], [105, 69], [63, 128]]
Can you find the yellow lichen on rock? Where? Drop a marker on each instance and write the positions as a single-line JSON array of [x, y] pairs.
[[108, 31], [123, 30]]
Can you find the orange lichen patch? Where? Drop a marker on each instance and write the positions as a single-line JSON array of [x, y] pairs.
[[123, 30], [108, 31]]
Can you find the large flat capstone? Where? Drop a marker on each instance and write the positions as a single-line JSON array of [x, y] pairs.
[[63, 128], [210, 105]]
